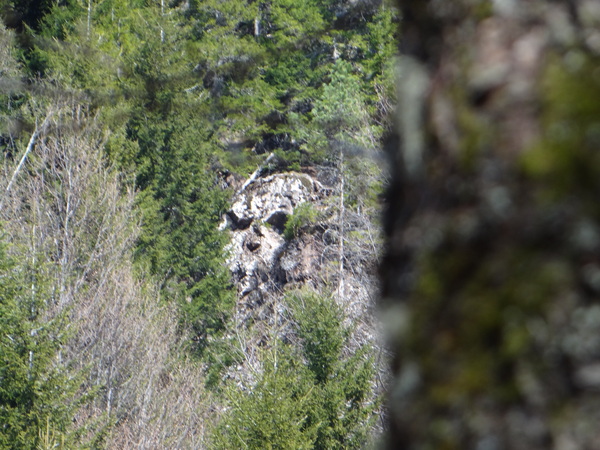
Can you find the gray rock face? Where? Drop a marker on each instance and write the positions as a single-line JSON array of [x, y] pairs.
[[270, 200], [264, 264], [260, 259]]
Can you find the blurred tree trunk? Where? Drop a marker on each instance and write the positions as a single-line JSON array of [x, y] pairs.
[[491, 282]]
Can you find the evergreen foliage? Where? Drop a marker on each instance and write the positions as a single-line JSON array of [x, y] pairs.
[[272, 413], [304, 214], [309, 394], [343, 403], [21, 14], [177, 95], [188, 90], [37, 392]]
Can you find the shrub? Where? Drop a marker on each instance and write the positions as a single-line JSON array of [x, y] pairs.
[[304, 214]]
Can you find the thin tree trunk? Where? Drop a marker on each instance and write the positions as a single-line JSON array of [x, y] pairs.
[[257, 26], [30, 145], [89, 18], [342, 211], [162, 15]]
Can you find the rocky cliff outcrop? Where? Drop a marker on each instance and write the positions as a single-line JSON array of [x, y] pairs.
[[264, 264], [261, 261]]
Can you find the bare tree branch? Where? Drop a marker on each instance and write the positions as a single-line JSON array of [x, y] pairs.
[[32, 141]]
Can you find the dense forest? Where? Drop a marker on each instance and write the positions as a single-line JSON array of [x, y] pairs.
[[190, 244], [127, 128]]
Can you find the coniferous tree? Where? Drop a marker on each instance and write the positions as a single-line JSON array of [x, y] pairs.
[[175, 95], [38, 393], [307, 393]]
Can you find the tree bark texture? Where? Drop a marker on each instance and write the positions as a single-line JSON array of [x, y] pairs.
[[491, 281]]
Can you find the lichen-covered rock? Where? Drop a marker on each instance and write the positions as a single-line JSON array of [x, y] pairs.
[[270, 200], [261, 260], [264, 264]]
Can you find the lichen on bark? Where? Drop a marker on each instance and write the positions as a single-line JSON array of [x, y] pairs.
[[492, 273]]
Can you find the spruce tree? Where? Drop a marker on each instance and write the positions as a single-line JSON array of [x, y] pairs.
[[308, 391], [38, 394]]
